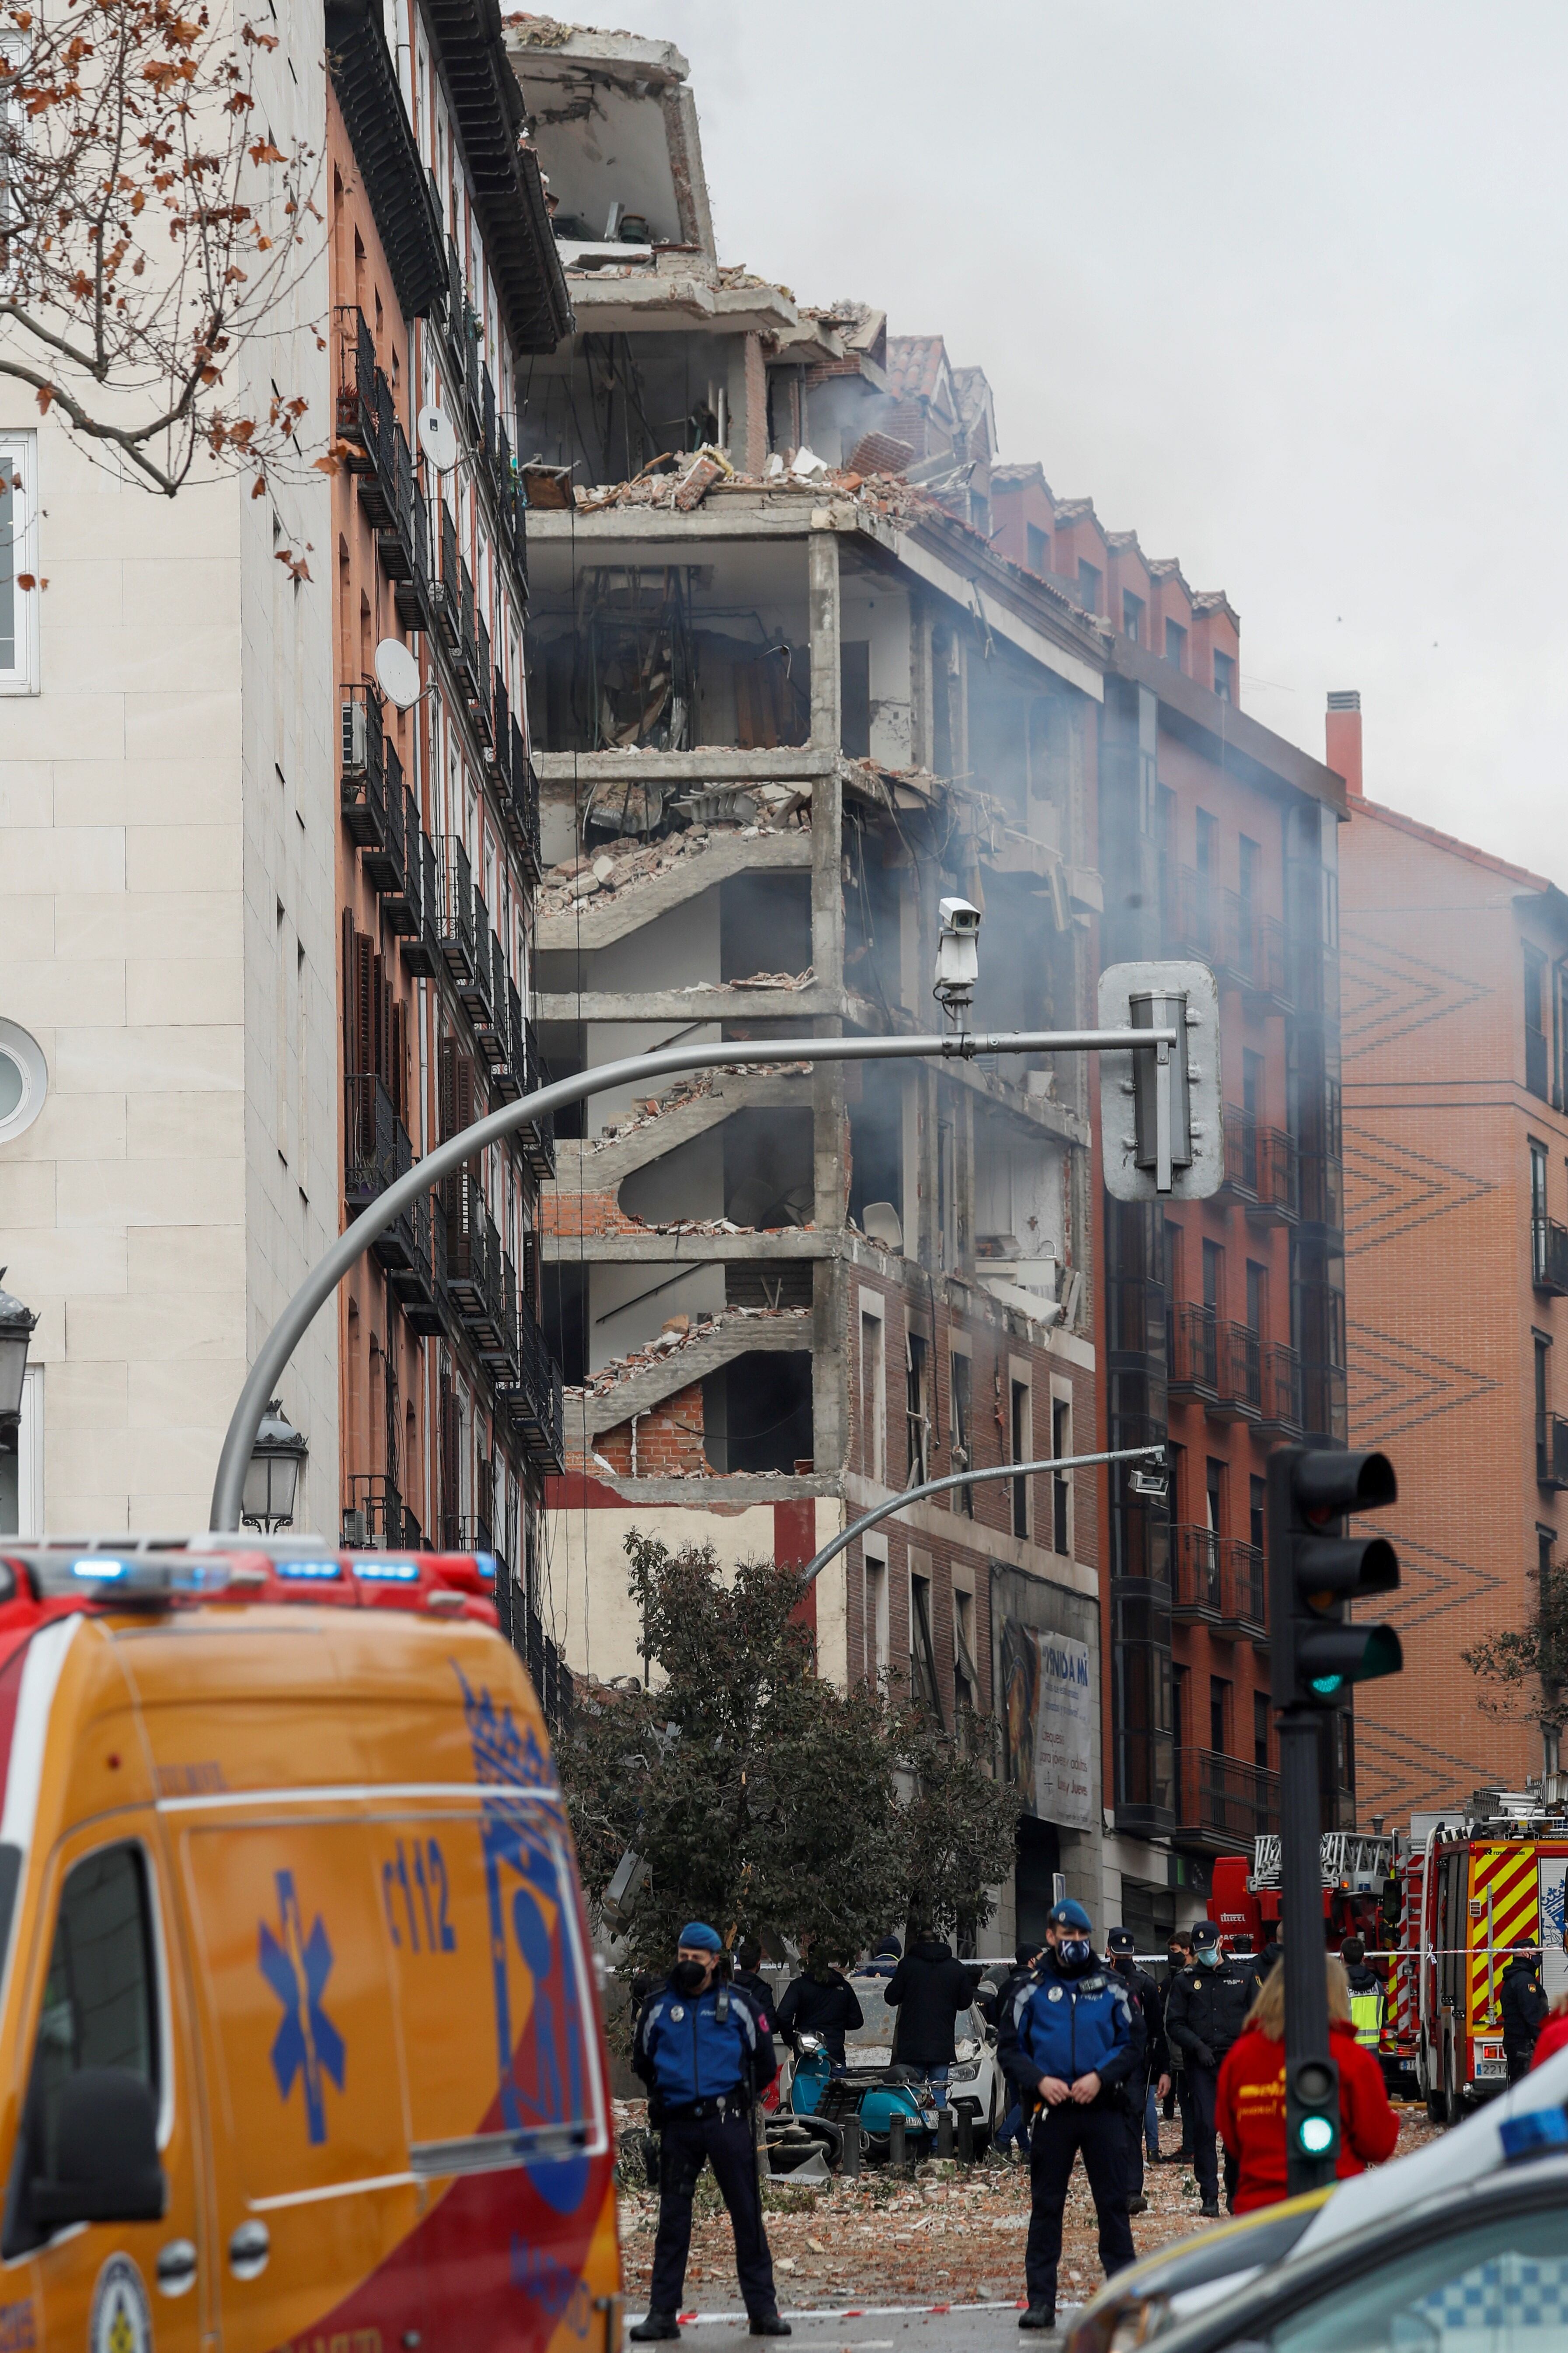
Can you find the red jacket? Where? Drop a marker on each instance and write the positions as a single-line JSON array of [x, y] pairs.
[[1552, 2039], [1249, 2110]]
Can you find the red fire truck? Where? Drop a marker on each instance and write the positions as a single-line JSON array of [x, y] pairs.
[[1356, 1868], [1470, 1888]]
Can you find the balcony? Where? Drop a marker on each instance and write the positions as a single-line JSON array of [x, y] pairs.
[[1550, 1451], [482, 684], [548, 1670], [517, 792], [1135, 1318], [376, 1149], [1218, 1581], [1196, 912], [362, 766], [478, 1272], [1260, 1168], [384, 855], [447, 591], [416, 1267], [534, 1402], [1280, 1417], [375, 1516], [1193, 1358], [1239, 1365], [456, 919], [519, 1071], [1223, 1803], [468, 646], [1256, 955], [421, 947], [477, 988], [1549, 1256], [415, 590], [378, 457]]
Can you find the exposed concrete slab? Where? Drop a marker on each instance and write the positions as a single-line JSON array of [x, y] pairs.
[[719, 1002], [655, 1248], [605, 1169], [786, 518], [716, 1344], [607, 916], [723, 763]]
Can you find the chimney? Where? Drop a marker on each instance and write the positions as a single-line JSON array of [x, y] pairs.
[[1344, 734]]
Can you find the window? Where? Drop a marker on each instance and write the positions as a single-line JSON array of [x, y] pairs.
[[919, 1409], [854, 697], [1036, 549], [873, 1399], [876, 1613], [1061, 1480], [1213, 1276], [966, 1673], [1257, 1512], [1090, 583], [1021, 1450], [1251, 1083], [1132, 616], [923, 1683], [19, 594], [22, 1469], [960, 1409], [1219, 1715], [1535, 1078], [1181, 1711], [1209, 845], [1260, 1730], [1482, 2281], [99, 2005], [1225, 676], [1543, 1449], [1537, 1206], [1257, 1295], [1213, 1494], [24, 1080], [1176, 644], [1251, 873]]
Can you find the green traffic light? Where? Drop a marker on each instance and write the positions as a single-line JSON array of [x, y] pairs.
[[1316, 2134], [1326, 1685]]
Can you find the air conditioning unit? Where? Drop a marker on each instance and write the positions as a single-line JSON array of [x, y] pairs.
[[356, 739]]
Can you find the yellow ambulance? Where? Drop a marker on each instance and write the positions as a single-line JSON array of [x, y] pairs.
[[299, 2038]]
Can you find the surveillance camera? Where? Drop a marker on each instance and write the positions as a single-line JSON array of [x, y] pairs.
[[959, 917]]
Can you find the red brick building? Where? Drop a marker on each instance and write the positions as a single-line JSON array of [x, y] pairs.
[[1456, 1149]]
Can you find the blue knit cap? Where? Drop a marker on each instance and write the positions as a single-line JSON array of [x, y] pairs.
[[699, 1937]]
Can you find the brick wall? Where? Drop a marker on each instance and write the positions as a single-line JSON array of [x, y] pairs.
[[669, 1439], [575, 1215]]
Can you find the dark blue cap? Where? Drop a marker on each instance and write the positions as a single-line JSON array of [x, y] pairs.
[[1070, 1914], [699, 1937]]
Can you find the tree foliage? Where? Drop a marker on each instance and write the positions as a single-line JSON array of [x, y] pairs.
[[153, 228], [1528, 1665], [762, 1797]]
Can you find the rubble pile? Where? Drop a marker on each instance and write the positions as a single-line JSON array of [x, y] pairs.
[[687, 1090], [629, 858], [679, 1333], [684, 483]]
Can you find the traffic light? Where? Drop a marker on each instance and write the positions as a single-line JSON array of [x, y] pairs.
[[1315, 1571], [1312, 2113]]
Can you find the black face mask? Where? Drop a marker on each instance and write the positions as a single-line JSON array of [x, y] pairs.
[[688, 1976]]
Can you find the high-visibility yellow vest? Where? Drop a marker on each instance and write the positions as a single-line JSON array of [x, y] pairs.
[[1366, 2017]]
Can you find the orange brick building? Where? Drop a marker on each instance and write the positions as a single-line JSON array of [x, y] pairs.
[[1456, 1154]]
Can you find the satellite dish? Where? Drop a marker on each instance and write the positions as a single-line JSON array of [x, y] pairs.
[[438, 439], [397, 673]]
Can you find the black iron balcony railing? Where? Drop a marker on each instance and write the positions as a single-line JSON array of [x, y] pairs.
[[488, 417], [477, 988], [447, 591], [1240, 1370], [376, 1149], [548, 1672], [421, 949], [477, 1270], [1218, 1581], [1222, 1802], [384, 855], [500, 707], [375, 1515], [1198, 913], [378, 454], [1194, 1351], [1552, 1449], [1280, 1414], [535, 1403], [482, 683], [1549, 1256], [468, 649], [420, 1275], [415, 590], [362, 766], [1253, 947], [1262, 1168], [456, 883], [516, 789]]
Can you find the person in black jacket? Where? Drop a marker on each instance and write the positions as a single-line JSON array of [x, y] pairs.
[[824, 2002], [1152, 2078], [1523, 2004], [928, 1989], [1205, 2012], [750, 1978]]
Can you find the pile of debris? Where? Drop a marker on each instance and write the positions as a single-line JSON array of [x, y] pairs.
[[629, 858], [687, 1090], [678, 1333], [680, 483]]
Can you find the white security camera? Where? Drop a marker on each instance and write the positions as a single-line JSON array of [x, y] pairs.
[[957, 952]]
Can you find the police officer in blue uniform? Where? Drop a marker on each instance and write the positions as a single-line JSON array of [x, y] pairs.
[[1075, 2042], [704, 2051]]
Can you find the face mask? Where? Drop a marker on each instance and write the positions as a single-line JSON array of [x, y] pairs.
[[688, 1976], [1075, 1952], [1211, 1957]]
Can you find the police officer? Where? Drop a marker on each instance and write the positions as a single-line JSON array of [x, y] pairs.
[[1074, 2045], [1205, 2012], [1523, 2003], [704, 2051], [1151, 2077]]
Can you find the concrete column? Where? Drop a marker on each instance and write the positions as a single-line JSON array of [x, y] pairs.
[[831, 1398]]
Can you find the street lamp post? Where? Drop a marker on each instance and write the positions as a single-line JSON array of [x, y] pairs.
[[277, 1457], [17, 1327], [281, 1343]]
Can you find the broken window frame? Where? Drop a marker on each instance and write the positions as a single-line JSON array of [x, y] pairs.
[[925, 1689]]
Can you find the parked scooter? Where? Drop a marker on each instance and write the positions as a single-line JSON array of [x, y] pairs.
[[872, 2095]]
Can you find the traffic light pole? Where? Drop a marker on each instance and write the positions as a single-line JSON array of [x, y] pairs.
[[1302, 1903]]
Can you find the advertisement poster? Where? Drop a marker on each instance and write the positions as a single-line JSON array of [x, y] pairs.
[[1049, 1695]]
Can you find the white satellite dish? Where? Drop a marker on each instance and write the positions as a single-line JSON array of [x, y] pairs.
[[397, 673], [437, 437]]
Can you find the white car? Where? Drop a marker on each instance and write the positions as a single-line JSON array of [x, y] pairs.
[[974, 2080]]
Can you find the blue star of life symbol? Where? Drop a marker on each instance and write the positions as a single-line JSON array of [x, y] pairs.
[[307, 2042]]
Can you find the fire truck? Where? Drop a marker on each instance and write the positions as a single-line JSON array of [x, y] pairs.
[[1356, 1869], [1469, 1886]]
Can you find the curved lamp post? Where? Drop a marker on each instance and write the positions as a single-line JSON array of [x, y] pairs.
[[17, 1327]]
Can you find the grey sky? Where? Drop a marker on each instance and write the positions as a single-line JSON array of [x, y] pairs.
[[1280, 287]]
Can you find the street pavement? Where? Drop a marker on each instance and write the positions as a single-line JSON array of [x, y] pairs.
[[897, 2328]]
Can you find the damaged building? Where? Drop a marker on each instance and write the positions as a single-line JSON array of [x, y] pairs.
[[783, 696]]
